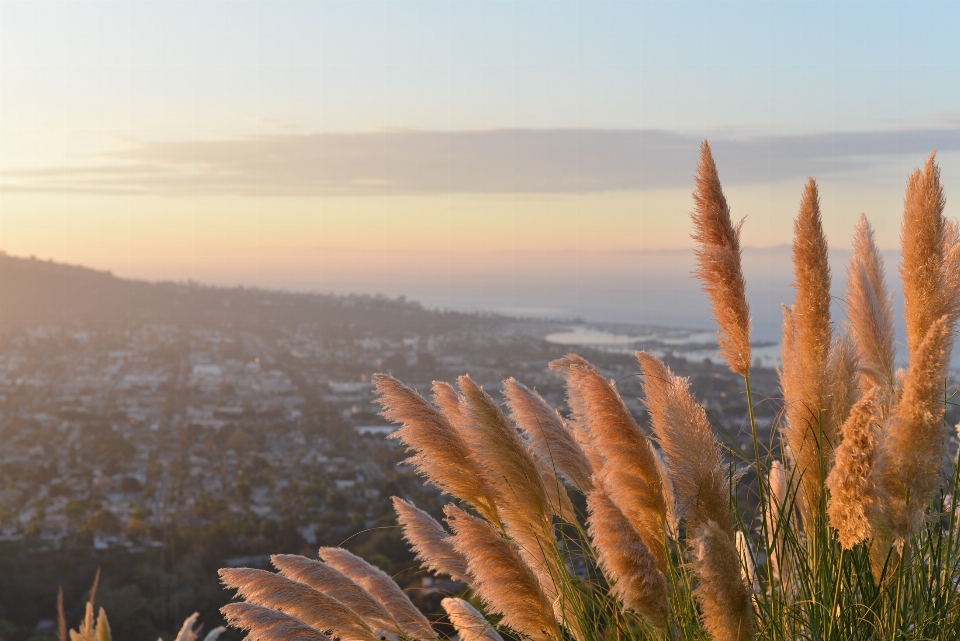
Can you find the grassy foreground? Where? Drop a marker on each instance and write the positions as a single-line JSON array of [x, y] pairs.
[[855, 535]]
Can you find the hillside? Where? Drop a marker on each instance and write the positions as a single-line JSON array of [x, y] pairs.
[[35, 292]]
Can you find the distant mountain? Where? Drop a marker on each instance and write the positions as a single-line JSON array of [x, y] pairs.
[[35, 292]]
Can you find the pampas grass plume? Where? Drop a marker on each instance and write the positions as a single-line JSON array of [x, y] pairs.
[[862, 446], [330, 581], [626, 561], [748, 566], [853, 491], [430, 542], [441, 454], [700, 481], [914, 439], [503, 455], [718, 264], [870, 309], [523, 499], [85, 631], [779, 483], [778, 513], [629, 471], [805, 353], [447, 399], [380, 586], [550, 438], [842, 382], [469, 624], [102, 631], [314, 608], [501, 579], [812, 273], [215, 633], [264, 624], [723, 596], [557, 495], [923, 237], [188, 631], [669, 496], [950, 287]]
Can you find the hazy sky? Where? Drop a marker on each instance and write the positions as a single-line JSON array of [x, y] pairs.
[[335, 145]]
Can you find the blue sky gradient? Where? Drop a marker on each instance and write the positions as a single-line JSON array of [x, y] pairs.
[[769, 66], [263, 142]]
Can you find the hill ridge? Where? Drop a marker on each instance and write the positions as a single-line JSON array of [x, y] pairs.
[[44, 292]]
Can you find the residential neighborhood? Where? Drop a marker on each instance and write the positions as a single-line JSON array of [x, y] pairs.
[[172, 429]]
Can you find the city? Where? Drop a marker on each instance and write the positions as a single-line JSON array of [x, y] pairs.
[[130, 441]]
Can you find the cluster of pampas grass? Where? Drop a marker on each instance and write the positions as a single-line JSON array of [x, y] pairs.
[[851, 534], [97, 628]]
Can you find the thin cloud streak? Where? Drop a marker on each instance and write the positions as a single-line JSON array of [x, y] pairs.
[[503, 161]]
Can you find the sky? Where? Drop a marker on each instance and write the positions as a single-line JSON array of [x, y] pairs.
[[515, 155]]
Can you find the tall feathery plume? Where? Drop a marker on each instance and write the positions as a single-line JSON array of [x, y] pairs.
[[430, 542], [842, 389], [188, 631], [718, 264], [556, 491], [469, 624], [548, 435], [748, 567], [914, 437], [380, 586], [84, 632], [884, 555], [924, 238], [264, 624], [215, 633], [853, 491], [522, 499], [914, 440], [454, 407], [809, 431], [950, 290], [673, 519], [333, 582], [583, 437], [539, 450], [700, 482], [722, 593], [505, 584], [447, 399], [316, 609], [102, 631], [502, 455], [931, 260], [441, 454], [629, 470], [778, 514], [499, 449], [625, 560], [870, 310]]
